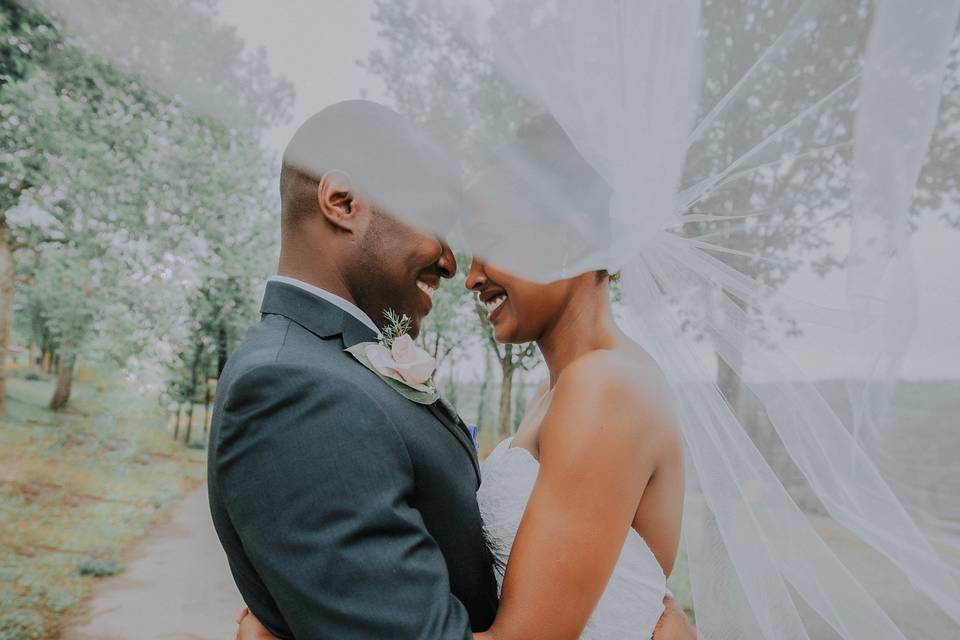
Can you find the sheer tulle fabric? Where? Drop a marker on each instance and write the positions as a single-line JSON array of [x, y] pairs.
[[714, 152]]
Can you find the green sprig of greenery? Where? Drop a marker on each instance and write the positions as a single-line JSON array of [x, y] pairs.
[[397, 325]]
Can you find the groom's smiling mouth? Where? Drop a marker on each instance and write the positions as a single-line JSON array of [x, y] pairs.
[[429, 287]]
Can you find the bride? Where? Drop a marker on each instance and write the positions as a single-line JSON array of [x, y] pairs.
[[586, 500]]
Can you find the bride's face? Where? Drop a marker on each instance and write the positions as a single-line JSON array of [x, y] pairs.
[[519, 310]]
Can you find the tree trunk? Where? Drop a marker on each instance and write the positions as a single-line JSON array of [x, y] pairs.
[[206, 408], [192, 395], [484, 387], [8, 278], [506, 394], [186, 438], [176, 425], [45, 366], [61, 395], [222, 348]]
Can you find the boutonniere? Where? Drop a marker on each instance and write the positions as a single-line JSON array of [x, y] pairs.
[[399, 362]]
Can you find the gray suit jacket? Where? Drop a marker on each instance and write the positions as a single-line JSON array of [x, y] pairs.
[[346, 511]]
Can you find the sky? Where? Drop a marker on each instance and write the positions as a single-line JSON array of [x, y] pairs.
[[316, 44]]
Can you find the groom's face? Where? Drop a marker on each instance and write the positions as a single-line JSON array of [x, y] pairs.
[[400, 268]]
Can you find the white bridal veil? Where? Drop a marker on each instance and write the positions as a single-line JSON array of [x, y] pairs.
[[744, 142], [767, 161]]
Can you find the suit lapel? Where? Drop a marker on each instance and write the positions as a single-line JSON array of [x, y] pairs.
[[326, 320], [313, 313], [456, 427]]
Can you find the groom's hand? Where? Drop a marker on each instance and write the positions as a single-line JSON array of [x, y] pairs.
[[674, 624]]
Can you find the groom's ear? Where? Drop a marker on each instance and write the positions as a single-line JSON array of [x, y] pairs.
[[337, 200]]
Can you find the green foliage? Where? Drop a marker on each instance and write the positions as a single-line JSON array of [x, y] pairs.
[[28, 35], [185, 49], [679, 581], [397, 325], [22, 624], [98, 567], [143, 227]]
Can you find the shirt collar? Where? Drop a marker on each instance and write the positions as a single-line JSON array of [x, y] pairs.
[[332, 298]]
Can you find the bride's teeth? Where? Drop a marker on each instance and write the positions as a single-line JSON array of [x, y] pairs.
[[494, 303], [427, 289]]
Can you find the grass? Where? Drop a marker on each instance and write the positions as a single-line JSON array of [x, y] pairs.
[[76, 489]]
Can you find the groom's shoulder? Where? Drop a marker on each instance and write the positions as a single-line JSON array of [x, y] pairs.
[[277, 347]]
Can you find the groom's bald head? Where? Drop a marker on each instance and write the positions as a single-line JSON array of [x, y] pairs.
[[365, 201], [383, 157]]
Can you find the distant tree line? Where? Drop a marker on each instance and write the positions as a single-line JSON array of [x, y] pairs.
[[134, 228]]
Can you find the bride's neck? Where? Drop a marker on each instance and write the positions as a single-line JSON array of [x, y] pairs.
[[584, 324]]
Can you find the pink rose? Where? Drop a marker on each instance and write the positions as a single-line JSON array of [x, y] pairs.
[[405, 362], [404, 350], [414, 365]]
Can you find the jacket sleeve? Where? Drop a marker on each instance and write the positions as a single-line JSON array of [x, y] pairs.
[[317, 482]]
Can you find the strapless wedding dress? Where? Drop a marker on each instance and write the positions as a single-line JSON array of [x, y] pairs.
[[632, 603]]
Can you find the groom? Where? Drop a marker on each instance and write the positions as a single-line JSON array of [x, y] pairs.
[[345, 509]]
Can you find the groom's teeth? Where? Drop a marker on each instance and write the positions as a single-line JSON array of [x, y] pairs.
[[494, 303], [427, 289]]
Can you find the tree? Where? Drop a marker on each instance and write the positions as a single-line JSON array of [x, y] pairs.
[[63, 295], [790, 173], [24, 36], [182, 49], [121, 191], [938, 188]]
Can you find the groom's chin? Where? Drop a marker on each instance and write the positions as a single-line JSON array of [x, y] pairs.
[[415, 327]]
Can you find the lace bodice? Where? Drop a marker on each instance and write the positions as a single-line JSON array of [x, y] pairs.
[[632, 603]]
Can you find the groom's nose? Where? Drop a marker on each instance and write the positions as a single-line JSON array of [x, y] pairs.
[[447, 264]]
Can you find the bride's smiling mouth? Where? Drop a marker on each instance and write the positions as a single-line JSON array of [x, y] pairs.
[[493, 302]]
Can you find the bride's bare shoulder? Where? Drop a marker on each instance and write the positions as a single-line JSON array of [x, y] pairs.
[[629, 374], [618, 390]]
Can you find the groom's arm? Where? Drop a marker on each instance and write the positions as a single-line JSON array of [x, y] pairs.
[[317, 482]]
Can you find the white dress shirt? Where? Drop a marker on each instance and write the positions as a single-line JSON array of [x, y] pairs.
[[332, 298]]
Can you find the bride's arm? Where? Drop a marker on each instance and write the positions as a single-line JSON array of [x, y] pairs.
[[600, 444]]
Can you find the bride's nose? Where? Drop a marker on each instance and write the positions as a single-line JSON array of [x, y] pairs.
[[476, 277]]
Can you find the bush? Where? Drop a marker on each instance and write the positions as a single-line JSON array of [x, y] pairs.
[[21, 624], [98, 568], [31, 375]]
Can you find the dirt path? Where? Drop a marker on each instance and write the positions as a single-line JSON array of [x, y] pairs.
[[175, 585]]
